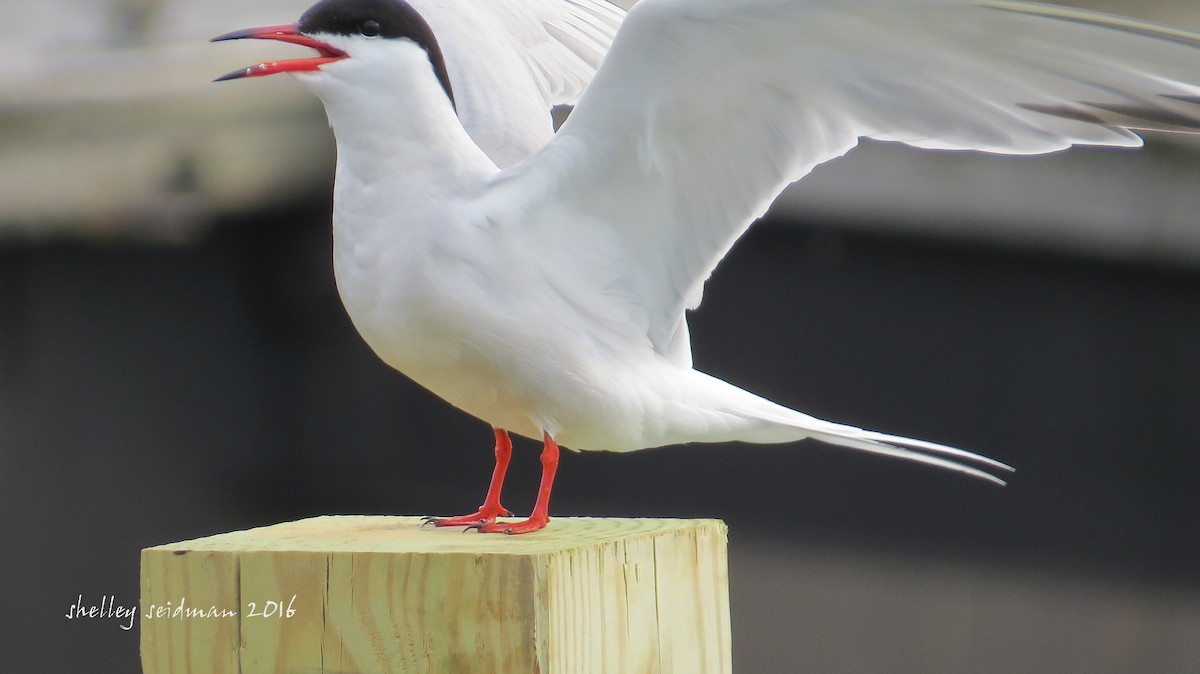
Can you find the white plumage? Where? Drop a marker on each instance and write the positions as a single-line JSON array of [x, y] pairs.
[[510, 61], [546, 294]]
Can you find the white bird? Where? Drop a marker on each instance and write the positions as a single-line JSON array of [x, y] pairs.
[[547, 294]]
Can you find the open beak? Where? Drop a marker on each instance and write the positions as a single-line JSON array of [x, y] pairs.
[[286, 33]]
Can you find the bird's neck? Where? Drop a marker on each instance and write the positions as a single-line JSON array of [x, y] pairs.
[[409, 147], [403, 154]]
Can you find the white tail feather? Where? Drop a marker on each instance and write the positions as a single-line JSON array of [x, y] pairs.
[[906, 448], [755, 419], [797, 425]]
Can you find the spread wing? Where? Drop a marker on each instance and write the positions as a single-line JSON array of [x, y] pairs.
[[511, 61], [704, 110]]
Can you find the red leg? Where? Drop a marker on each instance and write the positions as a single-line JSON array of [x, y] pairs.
[[541, 507], [491, 508]]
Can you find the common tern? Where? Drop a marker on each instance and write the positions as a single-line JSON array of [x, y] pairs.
[[540, 281]]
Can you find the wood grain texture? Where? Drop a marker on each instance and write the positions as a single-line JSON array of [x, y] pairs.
[[360, 595]]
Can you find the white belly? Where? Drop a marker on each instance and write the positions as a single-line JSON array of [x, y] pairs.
[[462, 329]]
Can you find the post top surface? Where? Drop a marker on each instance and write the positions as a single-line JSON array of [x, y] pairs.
[[393, 534]]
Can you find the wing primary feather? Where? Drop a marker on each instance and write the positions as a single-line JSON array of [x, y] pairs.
[[1123, 115], [1064, 111], [1191, 99], [1132, 115], [1100, 20]]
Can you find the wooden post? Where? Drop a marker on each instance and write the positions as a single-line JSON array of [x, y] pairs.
[[382, 594]]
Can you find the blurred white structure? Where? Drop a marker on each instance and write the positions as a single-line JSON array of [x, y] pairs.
[[112, 127]]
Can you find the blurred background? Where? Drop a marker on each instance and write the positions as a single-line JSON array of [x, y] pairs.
[[174, 362]]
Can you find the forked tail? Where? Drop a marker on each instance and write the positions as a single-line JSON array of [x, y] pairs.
[[768, 422], [907, 448], [723, 412]]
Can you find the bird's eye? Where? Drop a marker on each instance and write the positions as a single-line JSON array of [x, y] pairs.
[[370, 28]]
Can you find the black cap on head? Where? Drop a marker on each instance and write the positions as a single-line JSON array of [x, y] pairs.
[[384, 19]]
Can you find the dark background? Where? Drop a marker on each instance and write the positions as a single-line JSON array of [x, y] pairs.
[[157, 393]]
